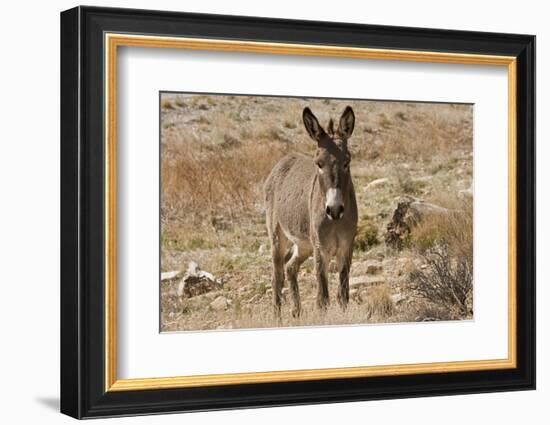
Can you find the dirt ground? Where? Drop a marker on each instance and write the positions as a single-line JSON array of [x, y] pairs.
[[216, 152]]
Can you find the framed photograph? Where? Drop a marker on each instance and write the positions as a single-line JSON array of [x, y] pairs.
[[261, 212]]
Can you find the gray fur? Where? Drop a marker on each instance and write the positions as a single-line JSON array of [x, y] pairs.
[[298, 217]]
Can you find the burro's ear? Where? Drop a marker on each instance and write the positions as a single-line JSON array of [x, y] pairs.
[[312, 125], [347, 122]]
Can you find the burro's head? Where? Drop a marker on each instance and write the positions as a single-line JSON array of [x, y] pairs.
[[332, 159]]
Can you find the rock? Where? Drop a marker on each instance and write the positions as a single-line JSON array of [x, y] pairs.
[[219, 303], [262, 249], [197, 282], [407, 214], [367, 267], [397, 298], [193, 268], [376, 253], [168, 276], [362, 281], [374, 269], [377, 183], [422, 179]]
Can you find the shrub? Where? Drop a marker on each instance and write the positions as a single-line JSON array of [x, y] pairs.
[[453, 229], [367, 236], [446, 281], [378, 302]]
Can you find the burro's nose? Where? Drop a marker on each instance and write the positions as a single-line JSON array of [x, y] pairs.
[[334, 206], [335, 213]]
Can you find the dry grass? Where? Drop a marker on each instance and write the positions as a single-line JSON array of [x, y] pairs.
[[217, 151], [455, 229], [378, 303], [213, 181]]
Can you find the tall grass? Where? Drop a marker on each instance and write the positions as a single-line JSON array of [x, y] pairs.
[[454, 229], [203, 182]]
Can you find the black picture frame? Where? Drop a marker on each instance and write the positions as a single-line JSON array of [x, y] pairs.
[[83, 392]]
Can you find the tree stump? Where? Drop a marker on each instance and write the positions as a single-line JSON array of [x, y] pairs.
[[407, 214]]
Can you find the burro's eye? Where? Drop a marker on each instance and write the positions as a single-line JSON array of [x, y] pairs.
[[346, 165], [320, 164]]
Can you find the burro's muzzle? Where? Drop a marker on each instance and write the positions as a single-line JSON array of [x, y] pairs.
[[334, 206]]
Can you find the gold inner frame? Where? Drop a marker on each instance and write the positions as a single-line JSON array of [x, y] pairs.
[[113, 41]]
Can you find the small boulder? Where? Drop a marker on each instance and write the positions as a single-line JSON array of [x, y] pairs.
[[168, 276], [374, 268], [397, 298], [407, 214], [422, 179], [365, 281], [377, 183], [197, 282], [219, 303]]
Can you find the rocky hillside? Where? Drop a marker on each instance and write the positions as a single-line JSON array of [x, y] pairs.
[[217, 150]]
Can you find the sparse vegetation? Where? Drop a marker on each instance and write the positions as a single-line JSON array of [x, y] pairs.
[[446, 281], [378, 302], [367, 236], [455, 229], [216, 152], [408, 185]]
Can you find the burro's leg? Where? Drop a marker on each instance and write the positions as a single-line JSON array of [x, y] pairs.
[[322, 279], [278, 246], [344, 266], [299, 255]]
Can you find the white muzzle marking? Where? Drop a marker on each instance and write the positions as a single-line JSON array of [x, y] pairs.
[[334, 200]]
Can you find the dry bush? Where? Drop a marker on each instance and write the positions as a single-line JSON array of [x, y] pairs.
[[445, 242], [447, 280], [203, 182], [378, 303], [454, 229], [367, 236]]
